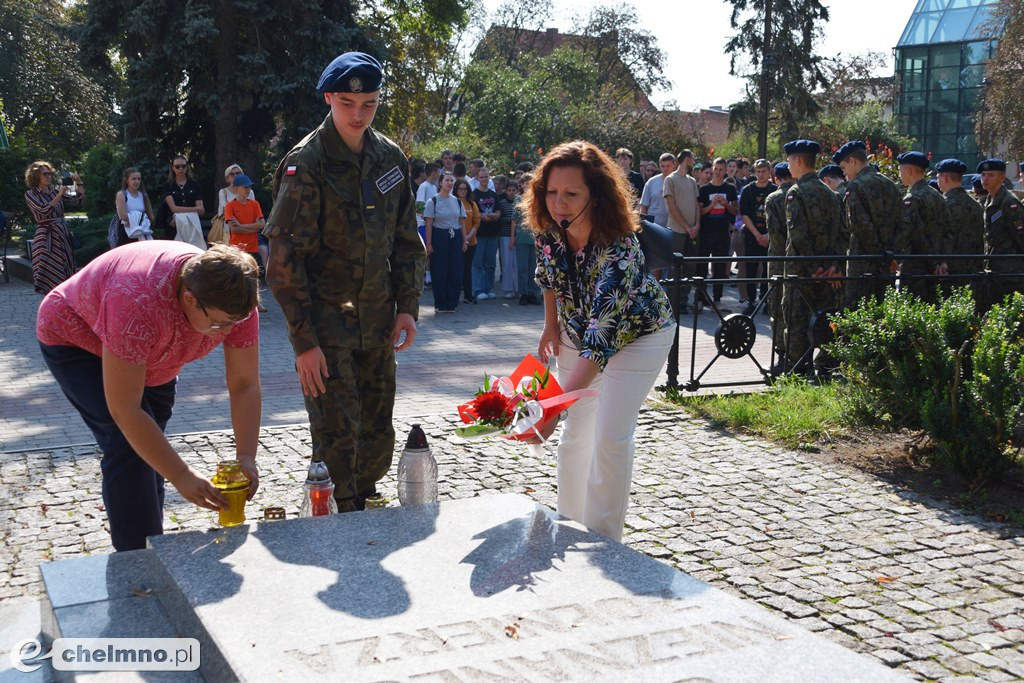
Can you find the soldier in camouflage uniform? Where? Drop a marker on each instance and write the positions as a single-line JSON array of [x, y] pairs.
[[813, 228], [832, 175], [346, 265], [872, 205], [967, 218], [925, 227], [1004, 231], [775, 220]]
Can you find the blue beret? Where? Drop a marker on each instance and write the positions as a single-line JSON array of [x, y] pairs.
[[801, 147], [951, 166], [1021, 166], [848, 149], [914, 159], [782, 168], [992, 165], [933, 183], [351, 72], [831, 170], [242, 180]]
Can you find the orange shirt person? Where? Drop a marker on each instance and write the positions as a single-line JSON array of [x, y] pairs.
[[244, 218]]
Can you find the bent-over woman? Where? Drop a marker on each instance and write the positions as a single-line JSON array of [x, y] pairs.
[[607, 322]]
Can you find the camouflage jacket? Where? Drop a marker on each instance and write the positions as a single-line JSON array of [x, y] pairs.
[[345, 254], [872, 204], [813, 225], [775, 218], [925, 227], [1004, 230], [968, 220]]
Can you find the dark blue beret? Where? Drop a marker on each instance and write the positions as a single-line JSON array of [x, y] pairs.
[[914, 159], [831, 170], [1021, 166], [782, 168], [951, 166], [847, 149], [992, 165], [801, 147], [351, 72], [933, 183]]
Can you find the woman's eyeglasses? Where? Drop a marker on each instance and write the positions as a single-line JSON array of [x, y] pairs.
[[179, 165]]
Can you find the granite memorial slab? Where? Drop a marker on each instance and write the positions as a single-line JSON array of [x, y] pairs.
[[489, 588]]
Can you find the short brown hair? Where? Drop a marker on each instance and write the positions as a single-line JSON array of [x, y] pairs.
[[623, 152], [35, 171], [667, 156], [611, 195], [224, 278], [721, 160]]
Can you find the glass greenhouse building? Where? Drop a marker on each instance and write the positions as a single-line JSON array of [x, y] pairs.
[[940, 69]]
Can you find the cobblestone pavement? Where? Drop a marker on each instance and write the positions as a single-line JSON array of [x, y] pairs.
[[913, 582]]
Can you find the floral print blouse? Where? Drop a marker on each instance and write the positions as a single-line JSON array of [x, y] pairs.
[[614, 299]]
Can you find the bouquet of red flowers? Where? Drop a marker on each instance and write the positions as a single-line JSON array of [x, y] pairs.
[[518, 406]]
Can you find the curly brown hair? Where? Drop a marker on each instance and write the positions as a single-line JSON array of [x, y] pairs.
[[35, 171], [611, 196]]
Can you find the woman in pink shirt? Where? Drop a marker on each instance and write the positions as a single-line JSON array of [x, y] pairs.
[[116, 335]]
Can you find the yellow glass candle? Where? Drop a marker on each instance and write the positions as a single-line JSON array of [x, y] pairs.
[[233, 483]]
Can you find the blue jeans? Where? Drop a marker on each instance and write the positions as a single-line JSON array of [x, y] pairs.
[[133, 492], [526, 261], [446, 267], [484, 262]]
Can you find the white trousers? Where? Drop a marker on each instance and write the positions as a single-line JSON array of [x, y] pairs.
[[595, 452]]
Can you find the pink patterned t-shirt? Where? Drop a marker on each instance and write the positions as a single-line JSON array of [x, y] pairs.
[[126, 300]]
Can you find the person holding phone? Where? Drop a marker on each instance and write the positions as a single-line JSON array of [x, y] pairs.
[[53, 257]]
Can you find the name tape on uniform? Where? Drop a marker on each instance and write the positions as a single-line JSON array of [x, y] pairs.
[[389, 180]]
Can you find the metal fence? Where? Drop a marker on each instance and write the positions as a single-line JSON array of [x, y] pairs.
[[738, 336]]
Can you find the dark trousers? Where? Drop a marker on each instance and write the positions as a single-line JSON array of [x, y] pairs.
[[133, 492], [446, 267], [350, 424], [755, 269], [715, 243], [467, 272]]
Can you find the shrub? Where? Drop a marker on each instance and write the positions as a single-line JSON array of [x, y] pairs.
[[93, 233], [101, 172]]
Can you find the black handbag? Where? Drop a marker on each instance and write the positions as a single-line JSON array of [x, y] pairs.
[[656, 243]]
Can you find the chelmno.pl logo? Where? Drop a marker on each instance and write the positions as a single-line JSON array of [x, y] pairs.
[[109, 654]]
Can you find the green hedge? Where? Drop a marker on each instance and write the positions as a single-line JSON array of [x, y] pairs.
[[941, 368]]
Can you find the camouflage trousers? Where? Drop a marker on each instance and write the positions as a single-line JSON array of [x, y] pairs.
[[350, 424], [855, 290], [800, 302], [922, 287]]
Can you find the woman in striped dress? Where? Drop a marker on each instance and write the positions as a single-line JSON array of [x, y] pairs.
[[53, 259]]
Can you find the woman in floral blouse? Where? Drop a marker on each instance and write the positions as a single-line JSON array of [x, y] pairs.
[[607, 321], [53, 258]]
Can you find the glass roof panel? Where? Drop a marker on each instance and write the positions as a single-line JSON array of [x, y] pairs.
[[979, 27], [957, 4], [953, 26]]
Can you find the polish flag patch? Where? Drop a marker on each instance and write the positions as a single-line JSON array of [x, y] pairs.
[[291, 170]]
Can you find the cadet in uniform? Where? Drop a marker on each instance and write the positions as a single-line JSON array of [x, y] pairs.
[[872, 206], [832, 175], [925, 227], [1004, 231], [813, 228], [967, 218], [346, 264], [775, 221]]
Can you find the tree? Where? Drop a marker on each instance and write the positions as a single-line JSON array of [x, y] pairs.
[[1003, 106], [422, 42], [787, 62], [217, 80], [49, 101]]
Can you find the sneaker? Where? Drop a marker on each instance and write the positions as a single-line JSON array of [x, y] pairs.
[[524, 300], [491, 295], [469, 301], [510, 295]]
